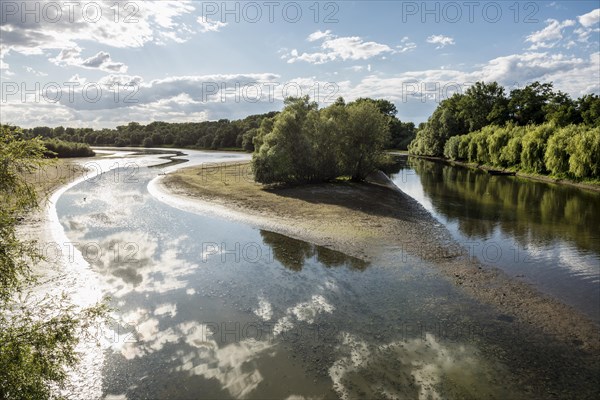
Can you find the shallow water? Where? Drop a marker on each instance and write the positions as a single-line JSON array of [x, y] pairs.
[[545, 234], [213, 308]]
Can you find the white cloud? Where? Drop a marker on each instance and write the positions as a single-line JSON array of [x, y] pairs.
[[420, 91], [550, 35], [173, 99], [319, 35], [154, 21], [588, 22], [589, 19], [406, 45], [441, 40], [339, 48], [34, 71], [101, 60], [209, 25]]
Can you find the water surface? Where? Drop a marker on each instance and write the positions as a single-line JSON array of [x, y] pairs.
[[212, 308], [545, 234]]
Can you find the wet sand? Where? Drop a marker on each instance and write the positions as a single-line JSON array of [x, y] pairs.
[[376, 224], [35, 225]]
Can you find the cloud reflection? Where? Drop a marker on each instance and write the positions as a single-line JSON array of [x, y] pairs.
[[421, 368]]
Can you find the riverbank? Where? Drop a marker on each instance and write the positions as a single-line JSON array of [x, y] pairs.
[[518, 173], [342, 216], [36, 224], [59, 277]]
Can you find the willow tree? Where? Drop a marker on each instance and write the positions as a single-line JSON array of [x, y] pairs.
[[364, 141], [285, 152], [304, 144]]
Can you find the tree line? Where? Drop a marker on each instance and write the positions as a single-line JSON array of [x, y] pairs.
[[571, 152], [535, 129], [213, 135]]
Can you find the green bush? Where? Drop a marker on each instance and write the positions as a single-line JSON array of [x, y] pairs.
[[61, 149]]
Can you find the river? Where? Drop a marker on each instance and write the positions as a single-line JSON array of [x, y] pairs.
[[209, 307], [545, 234]]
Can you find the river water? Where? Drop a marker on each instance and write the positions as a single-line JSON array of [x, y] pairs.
[[545, 234], [208, 307]]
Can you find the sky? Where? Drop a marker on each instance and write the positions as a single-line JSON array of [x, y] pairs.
[[101, 64]]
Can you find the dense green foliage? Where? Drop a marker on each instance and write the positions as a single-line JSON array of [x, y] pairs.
[[487, 104], [61, 149], [535, 129], [305, 144], [571, 152], [219, 134], [37, 338]]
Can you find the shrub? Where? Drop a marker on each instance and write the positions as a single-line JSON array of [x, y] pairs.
[[61, 149]]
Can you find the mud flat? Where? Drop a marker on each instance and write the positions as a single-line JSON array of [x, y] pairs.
[[375, 224]]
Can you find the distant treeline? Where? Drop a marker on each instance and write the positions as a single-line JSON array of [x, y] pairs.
[[534, 129], [221, 134]]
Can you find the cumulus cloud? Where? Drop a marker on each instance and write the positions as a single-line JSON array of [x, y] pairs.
[[135, 25], [197, 98], [176, 99], [318, 35], [338, 48], [101, 60], [420, 91], [209, 25], [406, 45], [550, 35], [441, 40], [589, 25], [590, 19]]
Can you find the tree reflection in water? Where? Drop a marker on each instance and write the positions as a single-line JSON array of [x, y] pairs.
[[293, 253], [521, 208]]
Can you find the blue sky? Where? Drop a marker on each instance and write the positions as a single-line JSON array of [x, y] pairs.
[[103, 64]]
